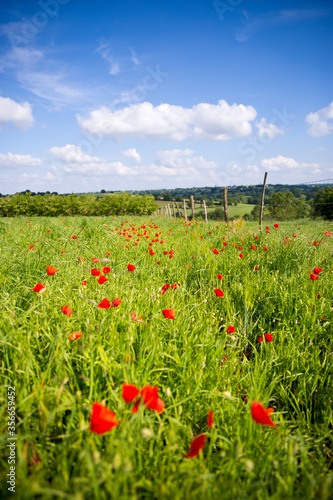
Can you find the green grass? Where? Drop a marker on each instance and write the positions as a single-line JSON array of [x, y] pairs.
[[234, 211], [57, 380]]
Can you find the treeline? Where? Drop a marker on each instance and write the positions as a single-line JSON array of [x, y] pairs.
[[55, 205]]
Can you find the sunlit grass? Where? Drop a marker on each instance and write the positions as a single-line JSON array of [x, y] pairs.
[[57, 380]]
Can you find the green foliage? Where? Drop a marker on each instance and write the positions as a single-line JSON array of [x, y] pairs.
[[284, 206], [62, 205], [323, 203]]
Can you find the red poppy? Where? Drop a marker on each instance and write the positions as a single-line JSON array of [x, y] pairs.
[[67, 310], [150, 398], [318, 296], [31, 247], [253, 247], [220, 277], [94, 259], [105, 304], [214, 250], [328, 233], [269, 337], [134, 318], [218, 292], [102, 279], [196, 446], [75, 335], [265, 249], [230, 329], [267, 227], [210, 419], [256, 268], [95, 272], [276, 225], [260, 415], [317, 270], [40, 288], [130, 392], [107, 253], [165, 288], [130, 267], [260, 339], [84, 282], [106, 270], [313, 277], [102, 419], [116, 302], [175, 286], [169, 313], [241, 255]]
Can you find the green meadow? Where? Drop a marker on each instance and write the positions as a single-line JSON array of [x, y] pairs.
[[194, 362]]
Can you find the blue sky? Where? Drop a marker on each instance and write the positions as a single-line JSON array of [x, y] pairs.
[[153, 94]]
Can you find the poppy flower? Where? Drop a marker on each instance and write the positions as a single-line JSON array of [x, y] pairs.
[[265, 249], [102, 419], [230, 329], [31, 247], [102, 279], [67, 310], [134, 318], [276, 226], [328, 233], [256, 268], [105, 304], [175, 286], [116, 302], [253, 247], [150, 398], [317, 270], [106, 270], [214, 250], [260, 415], [40, 288], [313, 277], [107, 253], [260, 339], [95, 272], [169, 313], [75, 335], [220, 277], [130, 267], [94, 259], [130, 392], [84, 282], [218, 292], [196, 446], [241, 255], [269, 337], [210, 419], [165, 288]]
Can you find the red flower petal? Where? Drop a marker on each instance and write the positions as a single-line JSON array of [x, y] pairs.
[[210, 420], [102, 279], [95, 272], [196, 446], [75, 335], [317, 270], [102, 419], [105, 304], [169, 313], [116, 302], [268, 337], [230, 329], [218, 292], [130, 267], [67, 310], [106, 269], [40, 288], [260, 415], [51, 270], [130, 392]]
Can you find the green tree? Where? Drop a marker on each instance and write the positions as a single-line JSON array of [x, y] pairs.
[[323, 203], [284, 206]]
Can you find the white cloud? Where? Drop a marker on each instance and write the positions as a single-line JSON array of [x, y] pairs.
[[72, 154], [12, 161], [320, 121], [134, 57], [217, 122], [132, 154], [116, 168], [20, 115], [282, 163], [268, 130], [104, 50]]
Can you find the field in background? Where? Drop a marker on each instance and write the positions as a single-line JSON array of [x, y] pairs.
[[239, 210], [195, 360]]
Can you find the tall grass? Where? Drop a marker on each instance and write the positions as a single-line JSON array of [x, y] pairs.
[[57, 380]]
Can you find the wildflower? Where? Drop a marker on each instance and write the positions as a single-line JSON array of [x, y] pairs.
[[260, 415], [328, 233], [313, 277], [169, 313], [214, 250], [196, 446], [269, 337], [107, 253], [265, 249], [75, 335], [95, 272], [317, 270], [260, 339], [102, 419], [67, 310], [253, 247], [218, 292], [84, 282], [134, 318], [151, 400], [94, 259], [116, 302], [31, 247], [210, 419], [276, 225], [102, 279], [106, 270], [105, 304], [230, 329], [256, 268], [175, 285], [130, 267], [40, 288], [220, 277], [241, 255], [130, 392], [165, 288]]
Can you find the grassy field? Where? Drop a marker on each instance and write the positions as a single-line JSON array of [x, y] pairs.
[[234, 211], [209, 358]]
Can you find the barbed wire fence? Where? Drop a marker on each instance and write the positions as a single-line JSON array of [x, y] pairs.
[[178, 208]]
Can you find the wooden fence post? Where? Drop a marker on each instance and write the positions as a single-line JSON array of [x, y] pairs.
[[179, 214], [205, 210], [192, 205], [225, 203], [185, 216], [173, 210], [262, 202]]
